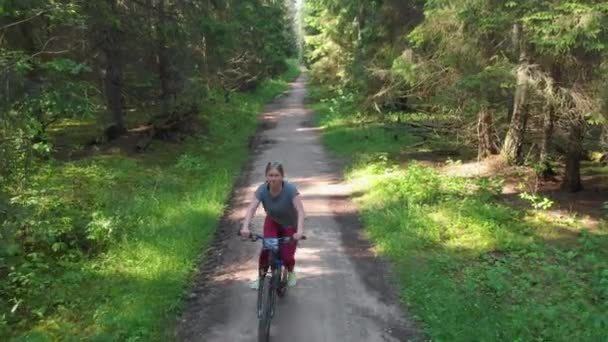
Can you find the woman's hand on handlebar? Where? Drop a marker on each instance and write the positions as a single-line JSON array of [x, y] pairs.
[[298, 236], [245, 232]]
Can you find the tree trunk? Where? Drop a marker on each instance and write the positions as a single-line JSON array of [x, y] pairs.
[[547, 171], [514, 140], [512, 147], [548, 128], [516, 34], [114, 76], [604, 139], [206, 65], [550, 116], [163, 59], [35, 80], [572, 177], [485, 133]]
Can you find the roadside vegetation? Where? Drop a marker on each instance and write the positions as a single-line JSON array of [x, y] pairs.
[[123, 125], [475, 135], [473, 262]]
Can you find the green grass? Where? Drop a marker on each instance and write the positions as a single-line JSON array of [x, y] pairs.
[[595, 169], [137, 227], [362, 137], [352, 135], [471, 268]]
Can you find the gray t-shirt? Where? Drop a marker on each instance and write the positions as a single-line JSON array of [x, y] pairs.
[[279, 208]]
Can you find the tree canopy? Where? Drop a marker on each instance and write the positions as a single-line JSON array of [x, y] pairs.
[[510, 68]]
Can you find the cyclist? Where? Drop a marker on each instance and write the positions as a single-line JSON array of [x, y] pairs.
[[284, 217]]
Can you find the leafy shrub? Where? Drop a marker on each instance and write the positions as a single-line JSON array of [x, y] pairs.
[[537, 201]]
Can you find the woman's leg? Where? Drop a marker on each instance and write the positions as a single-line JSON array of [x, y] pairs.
[[271, 230], [288, 251]]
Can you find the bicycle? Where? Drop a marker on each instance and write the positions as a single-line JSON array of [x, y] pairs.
[[268, 286]]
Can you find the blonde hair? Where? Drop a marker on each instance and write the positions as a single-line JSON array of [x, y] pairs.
[[276, 166]]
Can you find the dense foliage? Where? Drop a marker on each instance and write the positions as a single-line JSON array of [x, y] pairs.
[[526, 79], [473, 262], [65, 59], [78, 76], [401, 81]]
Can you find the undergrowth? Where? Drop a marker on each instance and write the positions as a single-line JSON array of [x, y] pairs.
[[103, 248]]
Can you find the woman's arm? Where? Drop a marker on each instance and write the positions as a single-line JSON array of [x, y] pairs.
[[253, 207], [297, 202]]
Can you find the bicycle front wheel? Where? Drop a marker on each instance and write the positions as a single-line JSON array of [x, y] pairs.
[[266, 297]]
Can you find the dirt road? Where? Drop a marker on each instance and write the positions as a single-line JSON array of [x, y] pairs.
[[343, 292]]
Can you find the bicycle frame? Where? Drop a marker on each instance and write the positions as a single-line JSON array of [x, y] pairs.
[[267, 288], [277, 284]]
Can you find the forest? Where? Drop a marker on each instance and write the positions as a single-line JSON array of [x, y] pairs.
[[477, 134], [459, 58], [474, 131], [98, 98]]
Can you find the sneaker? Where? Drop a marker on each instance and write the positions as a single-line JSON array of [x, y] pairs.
[[254, 285], [292, 279]]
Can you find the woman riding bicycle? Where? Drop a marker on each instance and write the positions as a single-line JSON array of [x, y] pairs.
[[284, 217]]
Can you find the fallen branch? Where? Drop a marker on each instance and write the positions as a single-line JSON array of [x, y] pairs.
[[23, 21], [165, 128]]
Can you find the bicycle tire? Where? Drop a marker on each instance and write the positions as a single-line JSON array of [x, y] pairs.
[[261, 289], [265, 316], [276, 282]]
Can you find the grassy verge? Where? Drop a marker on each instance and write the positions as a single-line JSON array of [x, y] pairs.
[[143, 222], [471, 268]]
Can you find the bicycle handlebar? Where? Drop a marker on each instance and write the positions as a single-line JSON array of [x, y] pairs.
[[256, 237]]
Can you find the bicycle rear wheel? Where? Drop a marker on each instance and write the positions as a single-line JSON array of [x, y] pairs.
[[265, 310]]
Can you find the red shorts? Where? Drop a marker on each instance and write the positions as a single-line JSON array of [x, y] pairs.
[[288, 251]]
